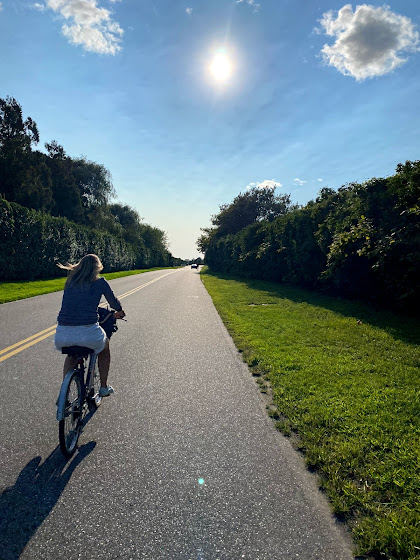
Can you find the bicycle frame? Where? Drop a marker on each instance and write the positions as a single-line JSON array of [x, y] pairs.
[[86, 386]]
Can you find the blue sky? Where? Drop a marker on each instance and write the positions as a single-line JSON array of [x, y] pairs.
[[320, 93]]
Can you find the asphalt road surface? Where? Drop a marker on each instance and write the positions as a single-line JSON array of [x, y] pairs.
[[181, 463]]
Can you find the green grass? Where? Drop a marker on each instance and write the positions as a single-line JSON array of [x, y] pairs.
[[346, 385], [12, 291]]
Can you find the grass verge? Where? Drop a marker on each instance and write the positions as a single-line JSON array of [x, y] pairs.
[[345, 383], [12, 291]]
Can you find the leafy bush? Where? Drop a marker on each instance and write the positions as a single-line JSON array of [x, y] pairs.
[[362, 241], [33, 243]]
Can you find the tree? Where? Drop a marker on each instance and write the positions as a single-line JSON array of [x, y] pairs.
[[204, 241], [128, 219], [94, 183], [66, 194], [81, 188], [156, 243], [55, 150], [15, 133], [24, 177], [34, 188], [255, 205]]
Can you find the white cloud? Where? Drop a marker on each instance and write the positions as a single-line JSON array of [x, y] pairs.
[[89, 25], [39, 7], [1, 7], [189, 11], [252, 3], [320, 180], [299, 181], [268, 184], [369, 42]]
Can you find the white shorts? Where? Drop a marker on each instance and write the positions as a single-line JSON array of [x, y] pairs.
[[91, 336]]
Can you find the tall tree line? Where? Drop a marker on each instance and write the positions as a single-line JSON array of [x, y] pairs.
[[67, 187], [362, 240]]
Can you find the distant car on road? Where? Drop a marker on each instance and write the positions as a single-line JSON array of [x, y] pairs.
[[194, 265]]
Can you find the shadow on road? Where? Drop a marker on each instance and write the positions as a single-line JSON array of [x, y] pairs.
[[25, 505]]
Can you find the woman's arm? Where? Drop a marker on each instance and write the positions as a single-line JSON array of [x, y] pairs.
[[111, 298]]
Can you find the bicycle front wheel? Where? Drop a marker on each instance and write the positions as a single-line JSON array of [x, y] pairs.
[[94, 398], [70, 427]]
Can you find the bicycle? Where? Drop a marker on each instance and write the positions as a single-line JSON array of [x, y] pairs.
[[78, 394]]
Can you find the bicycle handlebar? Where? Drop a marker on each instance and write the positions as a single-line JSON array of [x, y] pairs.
[[113, 312]]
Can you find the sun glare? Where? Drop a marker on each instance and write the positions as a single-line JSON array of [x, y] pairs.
[[221, 67]]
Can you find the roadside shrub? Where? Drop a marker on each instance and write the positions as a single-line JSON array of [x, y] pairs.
[[361, 241], [32, 243]]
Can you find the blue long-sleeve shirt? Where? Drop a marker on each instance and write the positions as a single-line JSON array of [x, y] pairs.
[[80, 303]]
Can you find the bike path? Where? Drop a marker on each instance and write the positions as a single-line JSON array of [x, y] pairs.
[[181, 463]]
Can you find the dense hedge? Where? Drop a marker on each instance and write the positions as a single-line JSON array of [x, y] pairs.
[[32, 243], [362, 241]]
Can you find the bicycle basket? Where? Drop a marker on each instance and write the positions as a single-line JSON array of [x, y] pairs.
[[107, 321]]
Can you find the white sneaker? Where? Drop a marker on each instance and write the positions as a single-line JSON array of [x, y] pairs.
[[106, 391]]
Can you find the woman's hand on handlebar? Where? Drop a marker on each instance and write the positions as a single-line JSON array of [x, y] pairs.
[[119, 314]]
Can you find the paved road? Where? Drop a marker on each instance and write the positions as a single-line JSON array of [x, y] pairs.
[[185, 409]]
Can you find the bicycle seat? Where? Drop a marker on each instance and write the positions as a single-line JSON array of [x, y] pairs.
[[77, 351]]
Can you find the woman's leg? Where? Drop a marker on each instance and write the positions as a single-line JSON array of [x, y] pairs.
[[104, 360], [69, 363]]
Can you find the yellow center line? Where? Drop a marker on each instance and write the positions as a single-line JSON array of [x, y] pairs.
[[26, 340], [144, 285], [10, 354], [35, 338]]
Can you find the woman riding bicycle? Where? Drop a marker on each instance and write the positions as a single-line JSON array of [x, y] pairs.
[[78, 318]]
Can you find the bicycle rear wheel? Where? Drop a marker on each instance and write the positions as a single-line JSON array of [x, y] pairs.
[[70, 427]]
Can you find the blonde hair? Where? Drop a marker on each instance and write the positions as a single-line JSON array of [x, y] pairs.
[[84, 272]]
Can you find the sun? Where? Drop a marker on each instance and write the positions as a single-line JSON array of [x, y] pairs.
[[221, 66]]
